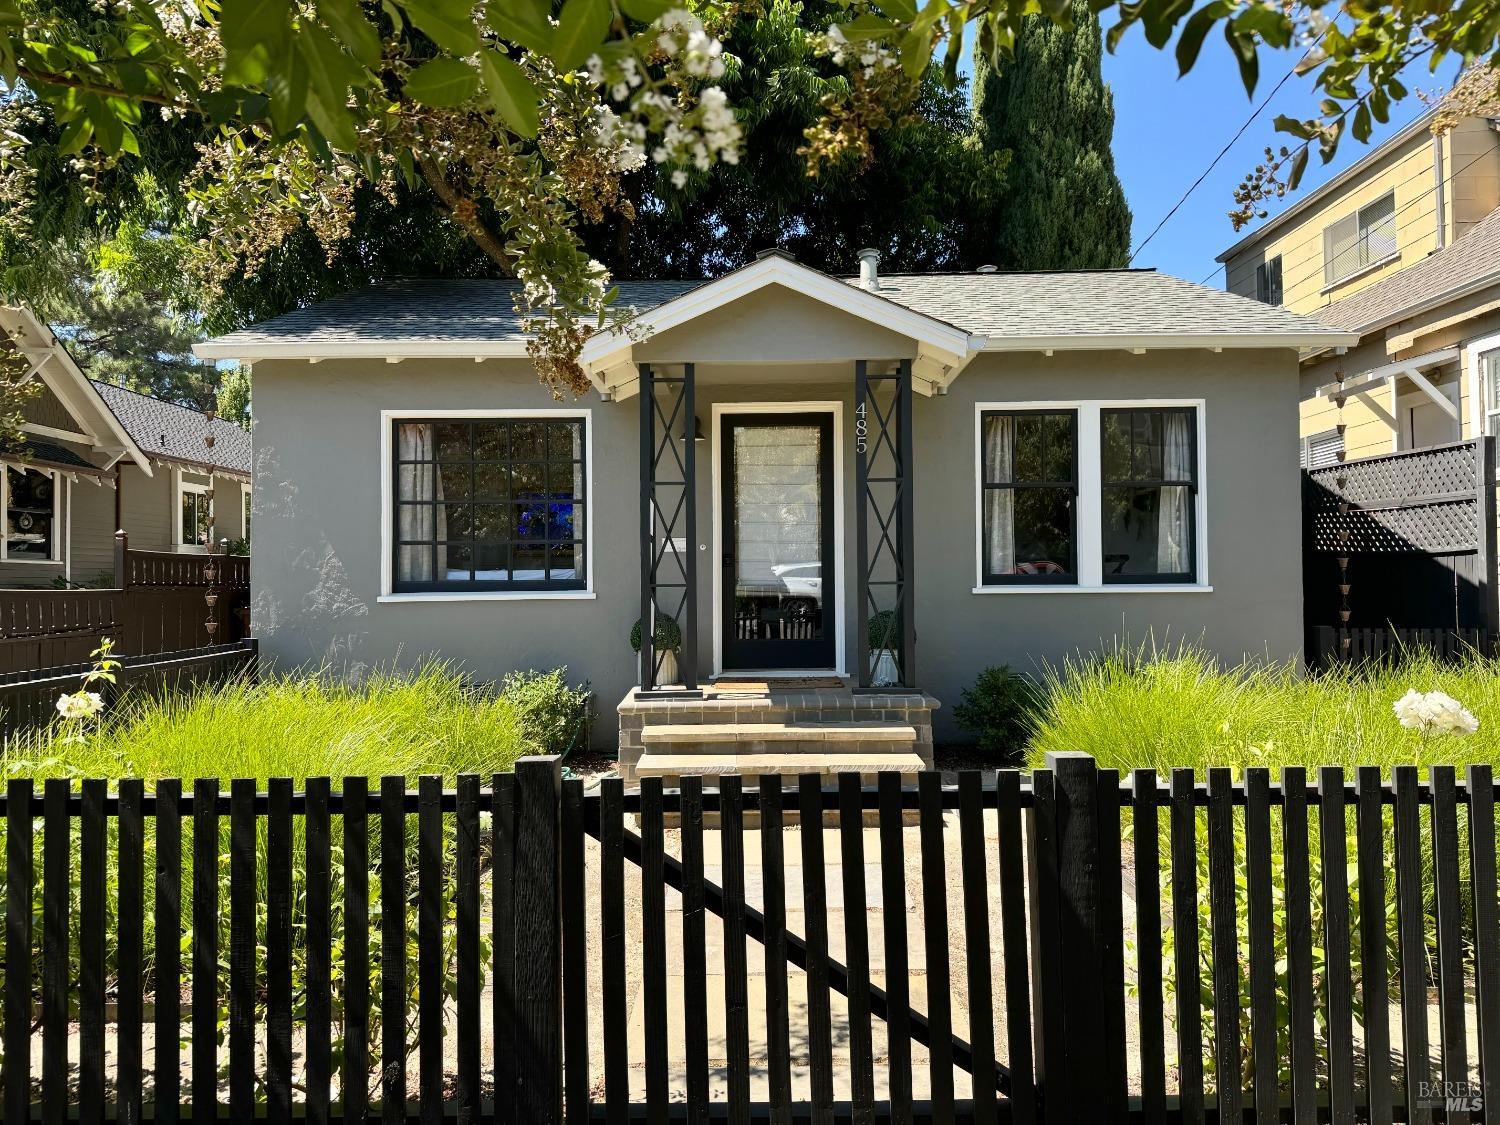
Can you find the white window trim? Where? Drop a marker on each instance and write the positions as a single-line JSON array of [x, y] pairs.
[[1481, 409], [58, 528], [388, 594], [1307, 443], [1329, 284], [1090, 546], [180, 488]]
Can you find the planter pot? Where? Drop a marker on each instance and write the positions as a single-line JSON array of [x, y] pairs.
[[883, 670], [666, 671]]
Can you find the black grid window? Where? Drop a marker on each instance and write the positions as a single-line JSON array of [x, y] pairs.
[[1149, 460], [489, 504], [1029, 474]]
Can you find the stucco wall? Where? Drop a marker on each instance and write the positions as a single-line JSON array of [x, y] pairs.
[[316, 567]]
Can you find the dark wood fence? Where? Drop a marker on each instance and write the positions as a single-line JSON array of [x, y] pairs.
[[157, 606], [1316, 952], [1358, 646], [28, 699], [1401, 542]]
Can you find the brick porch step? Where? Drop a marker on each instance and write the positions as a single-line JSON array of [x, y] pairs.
[[830, 737]]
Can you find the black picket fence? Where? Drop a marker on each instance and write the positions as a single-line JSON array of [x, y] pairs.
[[1280, 971]]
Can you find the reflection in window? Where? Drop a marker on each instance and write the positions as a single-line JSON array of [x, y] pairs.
[[489, 504], [1149, 462], [1030, 485], [197, 517], [29, 501]]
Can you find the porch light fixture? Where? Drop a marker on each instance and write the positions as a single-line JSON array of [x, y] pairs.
[[697, 429]]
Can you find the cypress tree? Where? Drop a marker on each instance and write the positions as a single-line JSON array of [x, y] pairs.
[[1063, 206]]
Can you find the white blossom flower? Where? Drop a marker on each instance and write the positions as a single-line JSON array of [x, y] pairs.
[[80, 705], [1434, 712], [679, 178]]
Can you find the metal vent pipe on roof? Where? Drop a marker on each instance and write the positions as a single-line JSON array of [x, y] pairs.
[[869, 269]]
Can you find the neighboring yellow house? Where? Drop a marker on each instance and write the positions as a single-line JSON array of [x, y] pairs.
[[1402, 247]]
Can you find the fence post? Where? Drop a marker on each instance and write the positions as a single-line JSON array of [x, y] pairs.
[[538, 945], [122, 553], [1075, 1017], [1489, 588]]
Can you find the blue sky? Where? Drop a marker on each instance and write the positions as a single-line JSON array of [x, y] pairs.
[[1167, 131]]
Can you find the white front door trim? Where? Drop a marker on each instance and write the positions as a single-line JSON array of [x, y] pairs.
[[717, 519]]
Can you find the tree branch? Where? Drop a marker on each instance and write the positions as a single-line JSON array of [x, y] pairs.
[[465, 213], [74, 83]]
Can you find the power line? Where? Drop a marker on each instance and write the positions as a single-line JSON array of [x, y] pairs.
[[1407, 206], [1212, 164]]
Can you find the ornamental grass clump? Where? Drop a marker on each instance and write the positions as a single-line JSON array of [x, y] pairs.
[[1164, 706], [429, 720]]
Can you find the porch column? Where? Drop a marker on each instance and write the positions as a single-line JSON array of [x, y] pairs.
[[669, 577], [883, 523]]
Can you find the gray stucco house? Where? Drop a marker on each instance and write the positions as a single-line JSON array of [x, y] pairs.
[[869, 482]]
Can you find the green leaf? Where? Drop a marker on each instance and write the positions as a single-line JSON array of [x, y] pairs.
[[522, 22], [109, 130], [448, 23], [329, 70], [442, 82], [645, 10], [511, 91], [1245, 55], [353, 30], [903, 10], [1190, 42], [1361, 126], [287, 87], [75, 135], [1299, 165], [581, 29], [254, 34]]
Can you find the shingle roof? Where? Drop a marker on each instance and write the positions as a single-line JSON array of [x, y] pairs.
[[1459, 265], [165, 429], [997, 305], [52, 454]]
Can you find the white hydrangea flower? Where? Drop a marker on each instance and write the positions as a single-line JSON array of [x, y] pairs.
[[1434, 712], [80, 705], [679, 178]]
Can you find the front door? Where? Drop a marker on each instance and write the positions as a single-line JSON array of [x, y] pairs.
[[777, 510]]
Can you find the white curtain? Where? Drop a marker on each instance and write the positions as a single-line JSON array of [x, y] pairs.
[[1172, 546], [414, 442], [999, 503]]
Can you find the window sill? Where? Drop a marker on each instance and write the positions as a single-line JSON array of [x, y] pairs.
[[1359, 273], [1113, 588], [492, 596], [32, 562]]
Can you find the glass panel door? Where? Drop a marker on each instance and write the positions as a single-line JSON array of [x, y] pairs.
[[778, 529]]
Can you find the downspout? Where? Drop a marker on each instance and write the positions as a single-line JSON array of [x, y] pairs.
[[1441, 206]]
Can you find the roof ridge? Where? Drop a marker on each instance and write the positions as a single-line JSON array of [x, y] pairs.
[[161, 401]]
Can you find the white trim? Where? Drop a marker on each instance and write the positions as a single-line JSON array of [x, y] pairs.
[[836, 409], [53, 432], [1380, 263], [1090, 546], [1114, 588], [68, 530], [1473, 352], [59, 514], [226, 347], [180, 488], [946, 342], [388, 594]]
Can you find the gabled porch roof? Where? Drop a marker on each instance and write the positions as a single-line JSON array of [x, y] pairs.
[[942, 349]]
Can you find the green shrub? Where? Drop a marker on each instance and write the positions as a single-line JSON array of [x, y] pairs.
[[668, 635], [884, 631], [556, 717], [998, 708]]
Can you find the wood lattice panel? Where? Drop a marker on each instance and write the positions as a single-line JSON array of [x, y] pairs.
[[1423, 500]]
